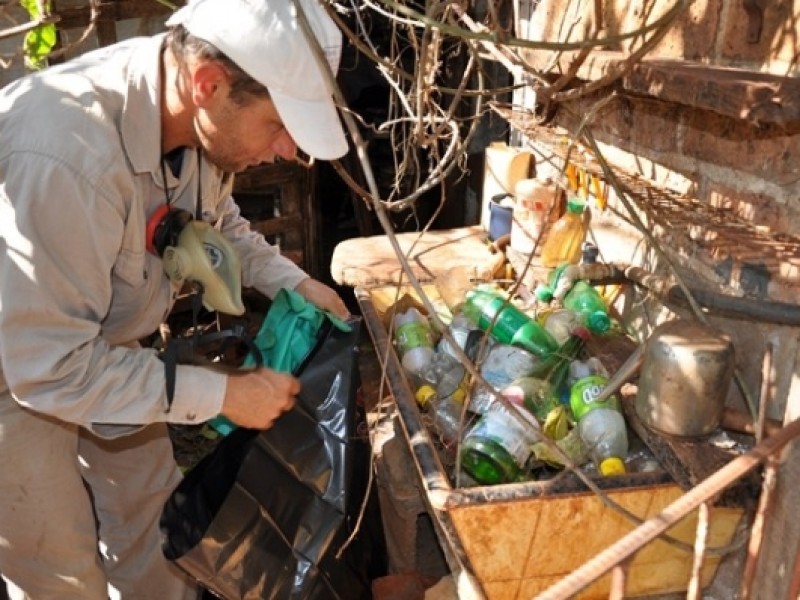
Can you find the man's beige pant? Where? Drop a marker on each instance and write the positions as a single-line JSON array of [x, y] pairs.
[[79, 514]]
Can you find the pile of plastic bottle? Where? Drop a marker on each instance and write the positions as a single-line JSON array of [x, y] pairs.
[[536, 409]]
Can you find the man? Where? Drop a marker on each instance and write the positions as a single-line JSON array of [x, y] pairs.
[[90, 151]]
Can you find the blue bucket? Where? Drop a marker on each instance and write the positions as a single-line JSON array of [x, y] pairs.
[[499, 218]]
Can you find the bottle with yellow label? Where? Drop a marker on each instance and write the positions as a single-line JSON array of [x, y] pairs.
[[566, 237]]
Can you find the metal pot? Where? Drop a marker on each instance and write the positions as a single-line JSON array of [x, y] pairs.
[[686, 370]]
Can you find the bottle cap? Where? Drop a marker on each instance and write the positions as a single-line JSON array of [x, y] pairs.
[[459, 394], [613, 465], [581, 332], [424, 395], [544, 293], [598, 321], [575, 205]]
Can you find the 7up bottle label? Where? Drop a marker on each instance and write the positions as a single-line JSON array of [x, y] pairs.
[[584, 393]]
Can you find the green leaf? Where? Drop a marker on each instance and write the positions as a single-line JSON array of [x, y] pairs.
[[38, 42]]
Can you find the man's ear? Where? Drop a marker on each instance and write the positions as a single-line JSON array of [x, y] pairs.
[[210, 82]]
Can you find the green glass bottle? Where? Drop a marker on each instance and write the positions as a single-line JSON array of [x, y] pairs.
[[499, 445]]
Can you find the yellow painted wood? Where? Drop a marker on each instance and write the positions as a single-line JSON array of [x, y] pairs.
[[524, 546]]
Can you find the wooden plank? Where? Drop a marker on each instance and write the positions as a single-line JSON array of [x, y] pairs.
[[371, 261], [738, 93]]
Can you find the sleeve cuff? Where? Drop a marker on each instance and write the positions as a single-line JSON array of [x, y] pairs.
[[199, 393]]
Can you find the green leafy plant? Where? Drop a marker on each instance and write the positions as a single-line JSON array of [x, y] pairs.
[[39, 42]]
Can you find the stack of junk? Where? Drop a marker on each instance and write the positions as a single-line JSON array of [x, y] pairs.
[[543, 432]]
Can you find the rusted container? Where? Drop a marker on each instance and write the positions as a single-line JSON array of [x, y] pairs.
[[513, 541]]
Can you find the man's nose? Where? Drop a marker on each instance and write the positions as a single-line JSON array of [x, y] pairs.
[[283, 145]]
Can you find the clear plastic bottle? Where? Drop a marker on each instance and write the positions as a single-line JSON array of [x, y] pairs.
[[603, 432], [564, 241], [579, 369], [506, 323], [445, 374], [585, 300], [414, 339], [560, 323], [601, 425], [497, 448], [444, 413], [461, 329]]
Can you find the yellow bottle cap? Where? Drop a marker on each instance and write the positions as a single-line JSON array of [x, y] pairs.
[[612, 466], [459, 394], [424, 395]]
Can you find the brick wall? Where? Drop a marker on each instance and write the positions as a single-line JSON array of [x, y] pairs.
[[698, 120]]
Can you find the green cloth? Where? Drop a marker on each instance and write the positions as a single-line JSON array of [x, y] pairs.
[[286, 336]]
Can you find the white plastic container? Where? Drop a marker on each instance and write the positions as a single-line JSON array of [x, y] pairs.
[[534, 200]]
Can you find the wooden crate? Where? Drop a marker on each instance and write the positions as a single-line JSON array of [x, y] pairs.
[[277, 200], [513, 541]]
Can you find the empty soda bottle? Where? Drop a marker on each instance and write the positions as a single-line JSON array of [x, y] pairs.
[[499, 445], [603, 432], [601, 425], [414, 339], [443, 413], [445, 374], [585, 300], [506, 323]]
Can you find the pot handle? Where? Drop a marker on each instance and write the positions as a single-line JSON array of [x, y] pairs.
[[624, 373]]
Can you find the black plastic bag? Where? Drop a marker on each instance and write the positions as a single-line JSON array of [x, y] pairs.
[[256, 516]]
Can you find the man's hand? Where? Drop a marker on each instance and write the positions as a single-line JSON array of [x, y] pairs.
[[323, 297], [255, 399]]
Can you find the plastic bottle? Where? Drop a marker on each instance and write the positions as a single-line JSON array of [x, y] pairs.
[[445, 374], [602, 430], [579, 369], [534, 199], [555, 368], [535, 394], [506, 323], [501, 365], [601, 425], [414, 339], [463, 331], [496, 449], [563, 244], [587, 302], [560, 322], [444, 413]]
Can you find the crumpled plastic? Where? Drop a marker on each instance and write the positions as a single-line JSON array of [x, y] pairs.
[[255, 517]]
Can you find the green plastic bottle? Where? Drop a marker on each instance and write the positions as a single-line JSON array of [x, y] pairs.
[[585, 300], [506, 323]]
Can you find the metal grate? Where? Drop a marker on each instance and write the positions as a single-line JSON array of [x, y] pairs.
[[680, 219]]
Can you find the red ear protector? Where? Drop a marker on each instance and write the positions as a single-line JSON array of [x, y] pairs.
[[164, 227]]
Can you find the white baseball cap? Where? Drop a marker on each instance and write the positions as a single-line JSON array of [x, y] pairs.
[[265, 39]]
